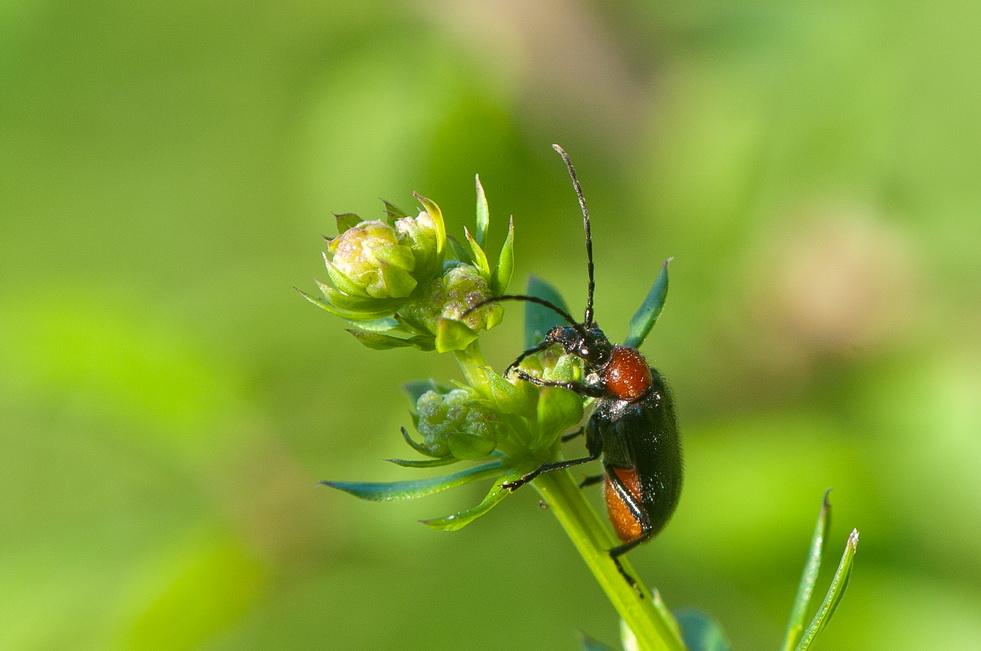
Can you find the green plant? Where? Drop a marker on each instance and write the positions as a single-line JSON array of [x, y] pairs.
[[402, 282]]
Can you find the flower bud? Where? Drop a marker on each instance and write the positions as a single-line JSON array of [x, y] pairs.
[[457, 424], [441, 307], [422, 237], [368, 259]]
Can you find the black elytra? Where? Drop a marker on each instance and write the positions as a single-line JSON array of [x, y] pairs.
[[633, 427]]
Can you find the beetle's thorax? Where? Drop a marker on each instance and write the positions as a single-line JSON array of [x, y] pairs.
[[627, 375], [622, 372]]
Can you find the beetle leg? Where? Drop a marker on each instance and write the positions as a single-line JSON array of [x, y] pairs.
[[592, 479], [531, 351], [580, 388], [548, 467], [572, 435]]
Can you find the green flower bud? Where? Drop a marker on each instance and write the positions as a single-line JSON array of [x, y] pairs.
[[457, 424], [368, 259], [421, 236], [464, 287], [440, 309]]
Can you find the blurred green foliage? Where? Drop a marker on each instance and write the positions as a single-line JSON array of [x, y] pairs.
[[167, 401]]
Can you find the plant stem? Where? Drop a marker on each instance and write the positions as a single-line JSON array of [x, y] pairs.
[[648, 618], [470, 360]]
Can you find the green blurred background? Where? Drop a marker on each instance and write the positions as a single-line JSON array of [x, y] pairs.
[[167, 400]]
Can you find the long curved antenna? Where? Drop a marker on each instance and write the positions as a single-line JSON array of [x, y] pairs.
[[531, 299], [588, 318]]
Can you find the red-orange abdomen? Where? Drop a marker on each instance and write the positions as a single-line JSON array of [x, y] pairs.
[[626, 526]]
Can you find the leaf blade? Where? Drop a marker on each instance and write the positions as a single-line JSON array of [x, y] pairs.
[[415, 488], [645, 317], [812, 566], [835, 593]]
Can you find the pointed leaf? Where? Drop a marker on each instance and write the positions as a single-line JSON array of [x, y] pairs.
[[590, 644], [805, 590], [387, 324], [418, 447], [437, 217], [393, 210], [477, 254], [346, 314], [423, 463], [379, 341], [538, 318], [463, 518], [835, 593], [363, 309], [415, 488], [642, 322], [700, 632], [505, 264], [346, 221], [460, 252], [483, 214]]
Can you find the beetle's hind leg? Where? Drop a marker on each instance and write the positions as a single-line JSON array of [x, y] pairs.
[[571, 435], [549, 467]]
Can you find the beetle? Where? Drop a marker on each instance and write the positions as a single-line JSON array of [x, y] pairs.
[[632, 428]]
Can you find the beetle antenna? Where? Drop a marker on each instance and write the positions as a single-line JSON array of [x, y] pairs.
[[531, 299], [588, 318]]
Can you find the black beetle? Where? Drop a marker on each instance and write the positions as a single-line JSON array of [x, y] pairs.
[[633, 426]]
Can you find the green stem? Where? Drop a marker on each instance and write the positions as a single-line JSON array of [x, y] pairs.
[[470, 361], [649, 619]]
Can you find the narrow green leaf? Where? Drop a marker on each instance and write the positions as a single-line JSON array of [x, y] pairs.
[[418, 447], [437, 217], [394, 211], [463, 518], [379, 341], [642, 322], [415, 488], [538, 318], [805, 590], [835, 593], [424, 463], [364, 309], [483, 214], [346, 221], [350, 315], [386, 324], [460, 252], [505, 264], [591, 644], [477, 254], [700, 632]]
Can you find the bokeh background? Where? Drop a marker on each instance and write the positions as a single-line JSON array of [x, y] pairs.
[[168, 401]]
